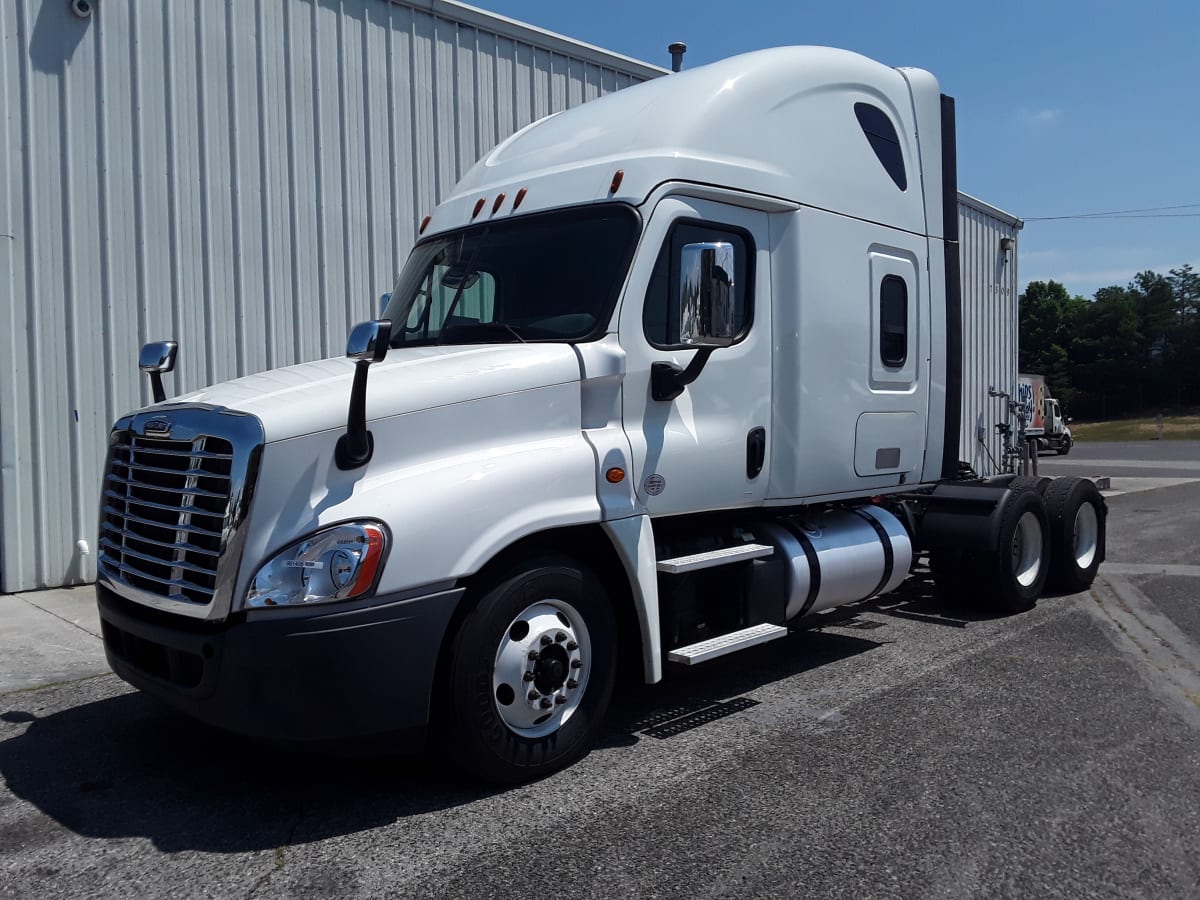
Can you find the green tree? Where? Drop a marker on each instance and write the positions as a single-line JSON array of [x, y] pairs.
[[1048, 320]]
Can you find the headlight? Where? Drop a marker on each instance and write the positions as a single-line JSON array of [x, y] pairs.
[[338, 563]]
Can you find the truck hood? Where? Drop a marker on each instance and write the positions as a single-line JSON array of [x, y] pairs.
[[314, 396]]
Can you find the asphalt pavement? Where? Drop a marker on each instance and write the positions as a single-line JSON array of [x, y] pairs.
[[906, 747]]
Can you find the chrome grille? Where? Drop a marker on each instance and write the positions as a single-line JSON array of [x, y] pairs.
[[177, 489], [163, 513]]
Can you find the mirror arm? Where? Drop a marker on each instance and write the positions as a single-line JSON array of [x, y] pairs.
[[667, 380], [354, 448], [156, 386]]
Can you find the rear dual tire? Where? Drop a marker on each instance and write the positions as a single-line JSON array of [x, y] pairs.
[[1077, 533], [1009, 576]]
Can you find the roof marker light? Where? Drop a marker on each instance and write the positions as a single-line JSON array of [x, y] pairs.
[[616, 182], [478, 206], [424, 224], [499, 202], [520, 196]]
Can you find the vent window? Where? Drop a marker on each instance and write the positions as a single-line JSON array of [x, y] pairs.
[[893, 321], [881, 134]]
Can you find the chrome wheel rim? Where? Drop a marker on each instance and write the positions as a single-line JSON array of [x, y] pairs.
[[541, 668], [1027, 550], [1087, 535]]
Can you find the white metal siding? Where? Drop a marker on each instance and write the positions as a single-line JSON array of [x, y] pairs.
[[243, 176], [989, 340]]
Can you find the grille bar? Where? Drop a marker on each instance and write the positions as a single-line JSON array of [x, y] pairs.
[[197, 454], [181, 583], [109, 510], [140, 539], [199, 473], [190, 491], [147, 557], [165, 507]]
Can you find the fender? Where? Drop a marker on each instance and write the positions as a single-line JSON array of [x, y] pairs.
[[455, 485]]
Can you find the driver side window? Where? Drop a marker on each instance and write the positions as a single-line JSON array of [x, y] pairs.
[[660, 313], [476, 303]]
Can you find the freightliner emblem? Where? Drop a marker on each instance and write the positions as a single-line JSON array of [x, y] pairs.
[[158, 428]]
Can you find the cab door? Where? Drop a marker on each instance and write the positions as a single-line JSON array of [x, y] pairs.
[[707, 447]]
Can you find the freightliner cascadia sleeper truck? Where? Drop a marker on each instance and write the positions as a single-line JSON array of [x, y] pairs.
[[669, 374]]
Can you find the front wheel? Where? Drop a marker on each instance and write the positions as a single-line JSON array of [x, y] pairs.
[[1064, 447], [531, 672]]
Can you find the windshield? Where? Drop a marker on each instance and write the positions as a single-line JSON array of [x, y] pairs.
[[547, 277]]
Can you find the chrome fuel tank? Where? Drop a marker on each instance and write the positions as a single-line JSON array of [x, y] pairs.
[[838, 556]]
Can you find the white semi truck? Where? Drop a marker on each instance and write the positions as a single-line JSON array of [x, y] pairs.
[[669, 374]]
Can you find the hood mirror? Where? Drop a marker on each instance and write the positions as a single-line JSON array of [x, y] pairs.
[[156, 358], [368, 344]]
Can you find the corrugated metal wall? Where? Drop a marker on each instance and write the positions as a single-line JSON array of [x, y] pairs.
[[242, 175], [989, 300]]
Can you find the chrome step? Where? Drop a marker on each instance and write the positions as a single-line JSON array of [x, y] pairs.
[[742, 552], [726, 643]]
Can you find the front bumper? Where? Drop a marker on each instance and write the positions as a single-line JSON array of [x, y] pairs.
[[331, 675]]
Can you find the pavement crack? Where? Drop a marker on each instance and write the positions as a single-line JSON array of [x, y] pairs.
[[73, 624]]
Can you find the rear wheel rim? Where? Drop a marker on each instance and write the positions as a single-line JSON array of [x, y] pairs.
[[1087, 535], [1027, 550], [541, 669]]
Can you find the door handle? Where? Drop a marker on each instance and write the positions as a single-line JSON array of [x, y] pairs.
[[756, 451]]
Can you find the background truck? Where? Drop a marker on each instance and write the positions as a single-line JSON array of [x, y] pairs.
[[668, 375], [1044, 423]]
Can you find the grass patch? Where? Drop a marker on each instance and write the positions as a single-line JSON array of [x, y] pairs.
[[1175, 428]]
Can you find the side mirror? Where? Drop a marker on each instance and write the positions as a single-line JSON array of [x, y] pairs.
[[368, 343], [706, 313], [1069, 420], [156, 358], [706, 295]]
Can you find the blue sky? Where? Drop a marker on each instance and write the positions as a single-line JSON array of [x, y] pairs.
[[1063, 107]]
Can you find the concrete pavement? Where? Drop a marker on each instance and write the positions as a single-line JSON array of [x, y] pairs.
[[49, 637]]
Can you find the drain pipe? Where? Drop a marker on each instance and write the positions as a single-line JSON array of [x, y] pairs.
[[677, 50]]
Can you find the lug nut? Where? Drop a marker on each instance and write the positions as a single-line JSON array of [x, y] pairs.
[[546, 640], [572, 684], [571, 645], [533, 654], [560, 699], [560, 637], [529, 676], [533, 695], [577, 664], [547, 703]]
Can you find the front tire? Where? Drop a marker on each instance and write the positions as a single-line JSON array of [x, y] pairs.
[[1064, 447], [530, 673], [1077, 532]]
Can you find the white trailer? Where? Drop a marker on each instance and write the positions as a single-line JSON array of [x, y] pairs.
[[665, 376]]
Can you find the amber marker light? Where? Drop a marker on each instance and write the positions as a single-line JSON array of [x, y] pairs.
[[615, 475], [616, 182], [499, 202], [520, 196], [424, 224], [478, 206], [370, 561]]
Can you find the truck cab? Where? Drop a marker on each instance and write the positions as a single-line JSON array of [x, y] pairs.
[[667, 374]]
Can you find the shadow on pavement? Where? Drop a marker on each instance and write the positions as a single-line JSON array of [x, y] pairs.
[[128, 766]]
